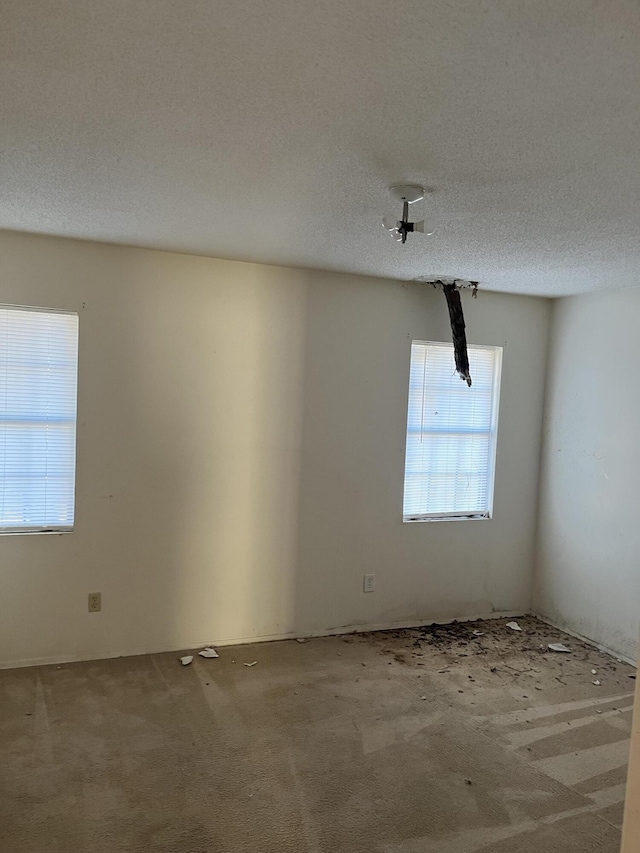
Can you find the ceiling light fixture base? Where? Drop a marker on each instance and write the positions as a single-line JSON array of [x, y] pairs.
[[409, 193]]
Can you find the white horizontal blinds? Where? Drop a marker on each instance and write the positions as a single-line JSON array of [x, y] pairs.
[[450, 432], [38, 379]]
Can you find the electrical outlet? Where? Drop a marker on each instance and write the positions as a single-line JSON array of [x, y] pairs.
[[95, 602], [368, 584]]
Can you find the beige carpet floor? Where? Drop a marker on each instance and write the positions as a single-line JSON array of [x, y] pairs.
[[443, 741]]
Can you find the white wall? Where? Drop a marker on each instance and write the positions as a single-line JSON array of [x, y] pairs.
[[240, 456], [588, 566]]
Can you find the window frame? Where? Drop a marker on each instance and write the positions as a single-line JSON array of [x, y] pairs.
[[55, 530], [460, 515]]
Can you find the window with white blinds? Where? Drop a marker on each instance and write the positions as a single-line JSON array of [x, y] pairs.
[[451, 433], [38, 381]]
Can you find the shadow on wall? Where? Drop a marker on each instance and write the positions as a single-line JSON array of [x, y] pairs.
[[257, 471], [263, 441], [215, 422]]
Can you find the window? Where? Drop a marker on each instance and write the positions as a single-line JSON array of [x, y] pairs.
[[451, 434], [38, 378]]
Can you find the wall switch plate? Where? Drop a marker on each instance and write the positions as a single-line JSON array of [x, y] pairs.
[[368, 584], [95, 602]]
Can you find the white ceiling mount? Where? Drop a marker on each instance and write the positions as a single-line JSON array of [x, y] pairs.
[[407, 192]]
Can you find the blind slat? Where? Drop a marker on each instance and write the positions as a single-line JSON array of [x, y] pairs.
[[451, 432], [38, 383]]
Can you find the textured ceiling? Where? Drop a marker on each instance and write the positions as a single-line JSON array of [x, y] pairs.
[[268, 130]]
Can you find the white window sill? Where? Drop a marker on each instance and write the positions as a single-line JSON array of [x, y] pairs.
[[411, 519], [54, 532]]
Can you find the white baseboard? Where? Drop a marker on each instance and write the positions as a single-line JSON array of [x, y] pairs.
[[600, 646], [267, 638]]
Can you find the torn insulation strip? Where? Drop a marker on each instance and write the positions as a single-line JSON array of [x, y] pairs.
[[454, 303]]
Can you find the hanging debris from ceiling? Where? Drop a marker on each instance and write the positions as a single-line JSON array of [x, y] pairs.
[[454, 303], [451, 290]]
